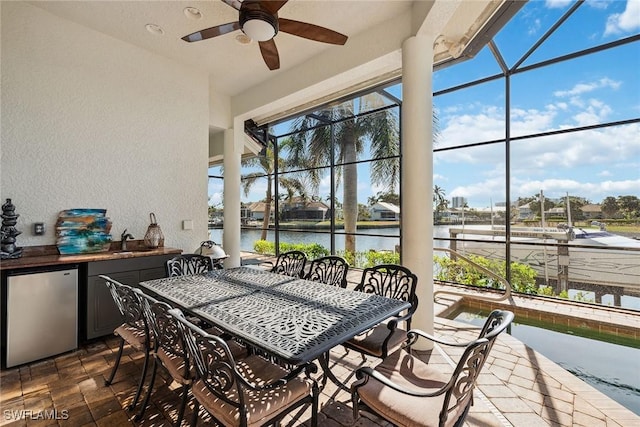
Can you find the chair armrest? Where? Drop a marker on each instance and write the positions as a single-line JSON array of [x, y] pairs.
[[392, 324], [365, 373], [413, 335]]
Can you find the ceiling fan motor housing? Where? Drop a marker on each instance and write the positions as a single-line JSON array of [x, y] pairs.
[[249, 13]]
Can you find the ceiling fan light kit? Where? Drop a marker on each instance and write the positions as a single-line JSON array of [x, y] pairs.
[[259, 25], [258, 19]]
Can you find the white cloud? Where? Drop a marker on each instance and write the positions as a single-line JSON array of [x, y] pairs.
[[557, 4], [535, 27], [560, 163], [481, 192], [599, 4], [596, 112], [625, 22], [582, 88]]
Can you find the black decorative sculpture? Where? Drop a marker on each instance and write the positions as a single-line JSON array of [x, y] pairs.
[[9, 232]]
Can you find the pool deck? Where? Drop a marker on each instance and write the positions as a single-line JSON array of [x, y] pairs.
[[528, 389], [518, 386]]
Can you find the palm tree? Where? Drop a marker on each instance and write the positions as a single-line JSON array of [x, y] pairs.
[[346, 138], [266, 164], [439, 200]]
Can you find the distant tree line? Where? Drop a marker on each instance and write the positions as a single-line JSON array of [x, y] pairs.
[[626, 207]]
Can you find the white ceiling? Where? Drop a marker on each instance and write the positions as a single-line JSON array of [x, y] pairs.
[[233, 66]]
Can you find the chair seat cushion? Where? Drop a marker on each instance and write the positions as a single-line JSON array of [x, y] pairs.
[[175, 364], [371, 341], [410, 411], [134, 336], [261, 405]]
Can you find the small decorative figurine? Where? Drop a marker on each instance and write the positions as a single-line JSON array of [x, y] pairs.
[[9, 232]]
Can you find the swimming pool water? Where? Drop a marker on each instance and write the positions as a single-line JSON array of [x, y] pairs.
[[612, 368]]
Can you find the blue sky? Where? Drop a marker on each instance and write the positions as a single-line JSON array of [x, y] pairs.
[[599, 88]]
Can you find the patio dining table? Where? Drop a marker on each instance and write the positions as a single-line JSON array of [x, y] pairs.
[[296, 320]]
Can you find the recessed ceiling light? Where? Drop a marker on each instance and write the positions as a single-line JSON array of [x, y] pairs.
[[154, 29], [242, 38], [192, 13]]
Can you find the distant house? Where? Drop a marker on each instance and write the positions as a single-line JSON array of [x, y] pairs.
[[525, 212], [592, 211], [299, 209], [255, 211], [556, 213], [383, 211]]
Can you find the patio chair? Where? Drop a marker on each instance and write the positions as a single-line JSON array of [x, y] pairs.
[[170, 350], [188, 264], [290, 263], [135, 330], [331, 270], [247, 392], [407, 391], [392, 281]]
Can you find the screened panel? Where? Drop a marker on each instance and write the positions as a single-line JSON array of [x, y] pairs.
[[586, 91], [472, 115], [593, 23]]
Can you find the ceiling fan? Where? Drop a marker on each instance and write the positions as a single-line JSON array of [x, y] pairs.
[[259, 20]]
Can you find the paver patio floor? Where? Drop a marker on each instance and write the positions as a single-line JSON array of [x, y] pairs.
[[518, 387]]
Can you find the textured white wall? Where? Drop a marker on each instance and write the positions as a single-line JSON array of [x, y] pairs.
[[91, 122]]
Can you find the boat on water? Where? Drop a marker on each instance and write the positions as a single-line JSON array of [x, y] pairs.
[[576, 255]]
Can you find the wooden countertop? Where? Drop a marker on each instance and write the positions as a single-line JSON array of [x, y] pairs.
[[40, 256]]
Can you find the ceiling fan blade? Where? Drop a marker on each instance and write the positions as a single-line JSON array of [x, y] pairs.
[[270, 54], [236, 4], [273, 6], [208, 33], [311, 32]]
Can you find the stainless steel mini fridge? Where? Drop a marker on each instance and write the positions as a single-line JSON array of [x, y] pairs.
[[42, 314]]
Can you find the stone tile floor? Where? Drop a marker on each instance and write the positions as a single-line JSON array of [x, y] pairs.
[[71, 388], [518, 387]]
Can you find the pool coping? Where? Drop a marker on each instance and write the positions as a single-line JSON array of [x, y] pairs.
[[615, 321]]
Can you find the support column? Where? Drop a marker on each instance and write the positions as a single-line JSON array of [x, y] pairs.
[[417, 174], [233, 146]]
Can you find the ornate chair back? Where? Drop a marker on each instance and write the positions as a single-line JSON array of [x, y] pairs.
[[135, 330], [170, 350], [290, 263], [129, 304], [331, 270], [248, 391], [188, 264], [391, 281]]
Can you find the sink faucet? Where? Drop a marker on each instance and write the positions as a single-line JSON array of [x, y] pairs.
[[123, 237]]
